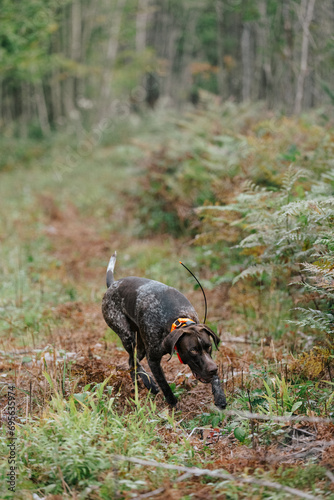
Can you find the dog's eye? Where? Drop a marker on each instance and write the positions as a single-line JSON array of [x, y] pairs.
[[193, 351]]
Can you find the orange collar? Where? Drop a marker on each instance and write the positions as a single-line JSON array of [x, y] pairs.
[[178, 324]]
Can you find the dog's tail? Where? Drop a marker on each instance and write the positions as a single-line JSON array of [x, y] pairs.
[[110, 270]]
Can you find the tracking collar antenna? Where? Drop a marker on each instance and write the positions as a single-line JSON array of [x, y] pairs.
[[205, 302]]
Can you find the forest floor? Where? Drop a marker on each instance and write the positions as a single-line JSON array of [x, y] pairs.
[[57, 234]]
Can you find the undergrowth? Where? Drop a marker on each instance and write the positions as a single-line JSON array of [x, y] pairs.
[[76, 444], [245, 199]]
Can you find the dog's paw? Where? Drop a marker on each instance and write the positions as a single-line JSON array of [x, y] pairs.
[[218, 394], [172, 401], [154, 388], [220, 402]]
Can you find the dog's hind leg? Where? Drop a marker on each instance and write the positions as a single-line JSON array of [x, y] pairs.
[[138, 368], [127, 332]]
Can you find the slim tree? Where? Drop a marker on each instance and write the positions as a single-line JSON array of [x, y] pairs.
[[307, 8], [110, 58]]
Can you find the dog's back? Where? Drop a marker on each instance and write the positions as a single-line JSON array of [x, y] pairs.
[[147, 302]]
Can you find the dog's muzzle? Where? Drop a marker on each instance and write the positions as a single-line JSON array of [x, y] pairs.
[[203, 380], [207, 379]]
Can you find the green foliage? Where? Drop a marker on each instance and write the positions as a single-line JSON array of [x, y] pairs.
[[25, 296], [74, 443], [279, 398], [212, 419], [301, 478], [284, 236], [183, 174], [173, 187], [25, 36], [318, 283], [206, 32], [282, 232], [240, 434], [272, 395]]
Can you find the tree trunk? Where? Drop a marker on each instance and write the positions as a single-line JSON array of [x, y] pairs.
[[76, 31], [141, 24], [24, 118], [42, 109], [288, 77], [246, 57], [188, 47], [263, 74], [112, 48], [174, 33], [55, 89], [55, 86], [68, 83], [220, 49], [304, 55]]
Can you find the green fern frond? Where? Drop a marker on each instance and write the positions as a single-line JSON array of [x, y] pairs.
[[319, 270], [317, 320], [291, 176], [250, 187], [253, 271]]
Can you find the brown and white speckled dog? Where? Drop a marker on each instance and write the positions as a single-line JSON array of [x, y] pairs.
[[153, 319]]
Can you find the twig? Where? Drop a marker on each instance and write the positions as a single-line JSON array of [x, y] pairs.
[[64, 483], [330, 475], [150, 494], [293, 418], [198, 429], [303, 431], [250, 403], [17, 353], [321, 442], [314, 445], [217, 474], [8, 321], [30, 397], [303, 453]]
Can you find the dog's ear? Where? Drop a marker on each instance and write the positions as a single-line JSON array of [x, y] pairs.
[[170, 341], [212, 334]]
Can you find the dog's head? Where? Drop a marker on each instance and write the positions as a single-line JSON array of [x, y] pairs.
[[193, 343]]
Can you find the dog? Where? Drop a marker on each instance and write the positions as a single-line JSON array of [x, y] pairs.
[[152, 319]]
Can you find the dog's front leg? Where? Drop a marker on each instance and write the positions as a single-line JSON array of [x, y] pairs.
[[218, 393], [161, 380]]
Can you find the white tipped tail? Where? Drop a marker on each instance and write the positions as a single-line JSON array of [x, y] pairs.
[[110, 270]]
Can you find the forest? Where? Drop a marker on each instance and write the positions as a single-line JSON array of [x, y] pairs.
[[193, 131]]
